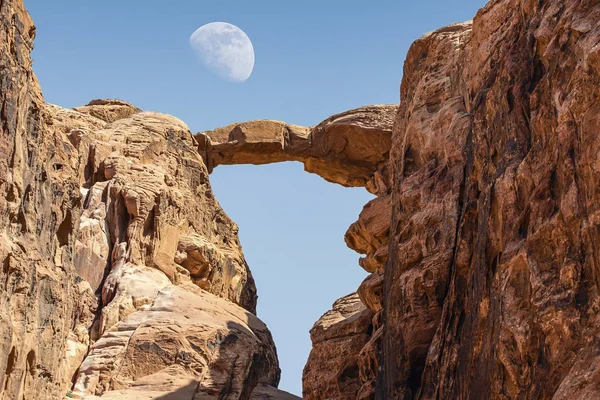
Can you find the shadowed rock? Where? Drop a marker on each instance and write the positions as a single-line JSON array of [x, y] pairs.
[[332, 369]]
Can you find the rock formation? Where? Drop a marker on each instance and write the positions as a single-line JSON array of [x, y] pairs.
[[38, 291], [332, 370], [490, 286], [350, 149], [123, 278], [346, 148], [155, 245]]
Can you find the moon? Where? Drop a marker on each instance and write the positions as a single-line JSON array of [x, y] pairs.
[[225, 50]]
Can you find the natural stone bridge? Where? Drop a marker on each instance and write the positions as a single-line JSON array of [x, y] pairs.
[[150, 235], [350, 149], [346, 148]]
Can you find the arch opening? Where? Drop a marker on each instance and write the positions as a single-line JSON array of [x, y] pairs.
[[291, 227]]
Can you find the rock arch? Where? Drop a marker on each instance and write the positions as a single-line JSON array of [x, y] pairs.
[[351, 149], [347, 148]]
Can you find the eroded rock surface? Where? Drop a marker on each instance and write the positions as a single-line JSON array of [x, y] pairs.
[[108, 110], [38, 202], [122, 277], [487, 264], [186, 340], [490, 288], [175, 295]]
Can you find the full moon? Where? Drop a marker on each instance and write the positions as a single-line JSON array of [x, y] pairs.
[[224, 49]]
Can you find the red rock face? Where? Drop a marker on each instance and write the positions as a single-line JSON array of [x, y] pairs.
[[490, 289]]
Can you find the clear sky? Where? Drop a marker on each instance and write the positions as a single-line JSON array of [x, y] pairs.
[[314, 58]]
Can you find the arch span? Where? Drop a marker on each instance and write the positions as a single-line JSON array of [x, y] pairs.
[[351, 149], [347, 148]]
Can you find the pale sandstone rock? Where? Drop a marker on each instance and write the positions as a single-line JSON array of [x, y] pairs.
[[92, 248], [78, 340], [149, 189], [168, 385], [149, 222], [187, 334], [38, 204]]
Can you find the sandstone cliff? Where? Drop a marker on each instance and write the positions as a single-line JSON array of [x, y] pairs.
[[481, 242], [123, 278], [38, 291], [490, 288], [155, 246]]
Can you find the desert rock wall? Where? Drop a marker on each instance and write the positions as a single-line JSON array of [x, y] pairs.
[[38, 205], [490, 288], [121, 274]]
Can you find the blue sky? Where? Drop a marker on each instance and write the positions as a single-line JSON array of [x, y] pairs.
[[314, 58]]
